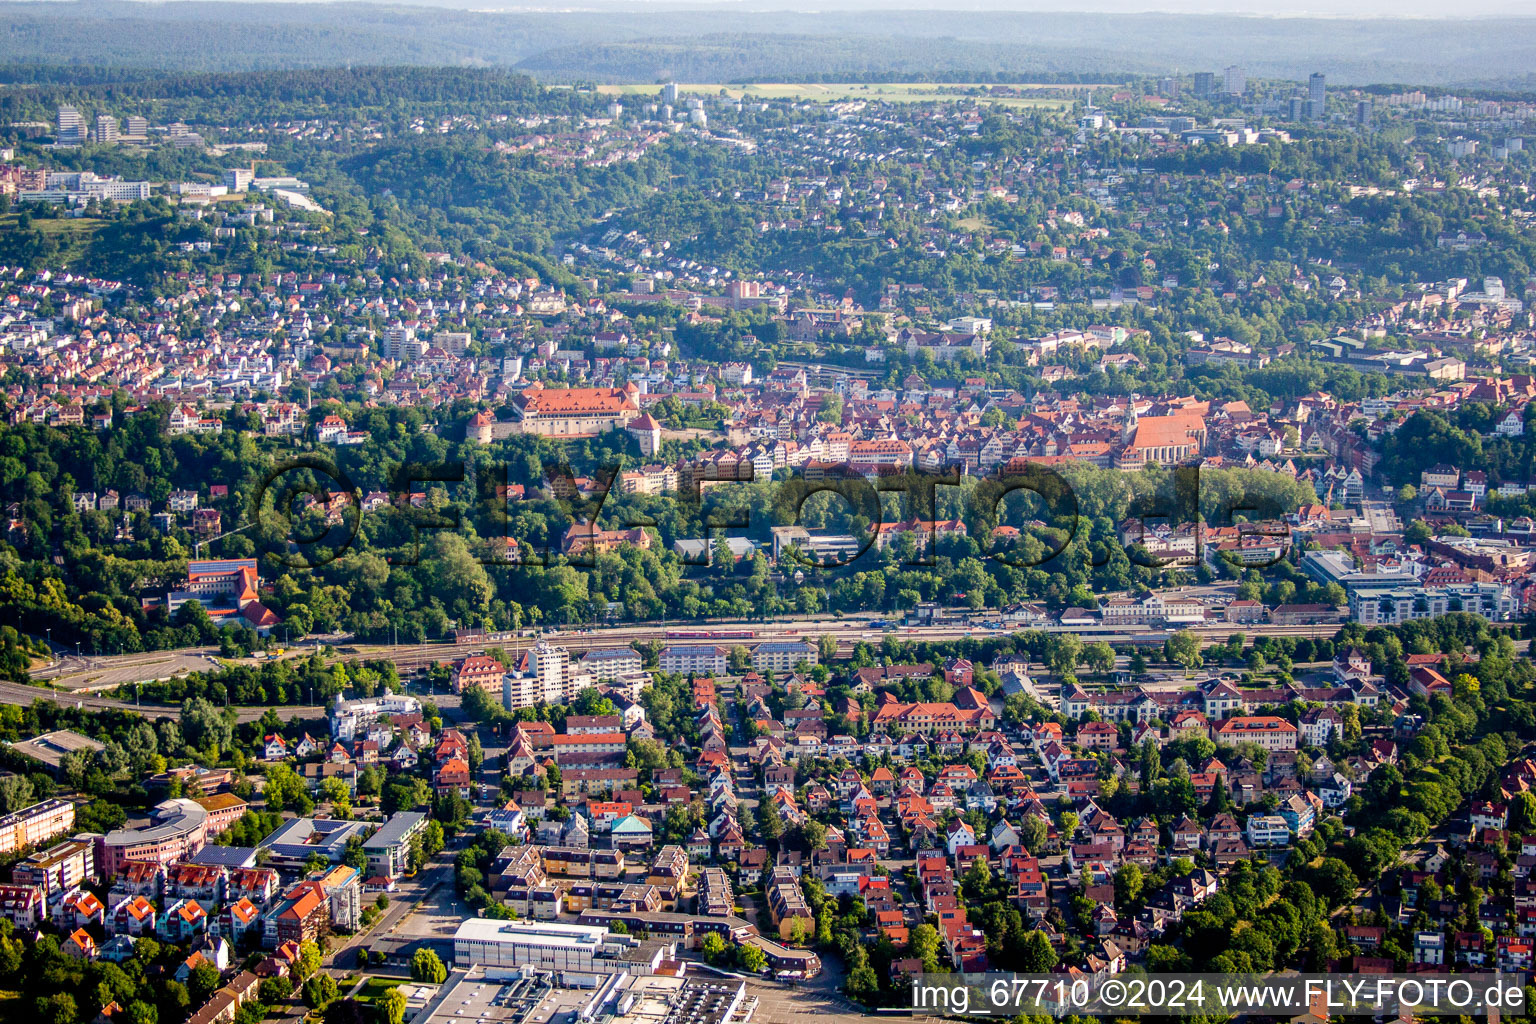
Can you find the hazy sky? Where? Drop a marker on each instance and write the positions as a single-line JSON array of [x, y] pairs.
[[1416, 9], [1267, 8]]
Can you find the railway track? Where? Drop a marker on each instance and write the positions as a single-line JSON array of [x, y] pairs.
[[412, 657], [847, 635]]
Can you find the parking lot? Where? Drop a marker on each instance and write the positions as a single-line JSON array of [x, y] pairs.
[[779, 1003], [436, 917]]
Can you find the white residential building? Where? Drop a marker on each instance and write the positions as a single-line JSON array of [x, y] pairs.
[[1268, 830], [705, 659], [1388, 606], [350, 718]]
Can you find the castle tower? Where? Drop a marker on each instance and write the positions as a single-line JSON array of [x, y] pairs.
[[480, 427], [648, 432]]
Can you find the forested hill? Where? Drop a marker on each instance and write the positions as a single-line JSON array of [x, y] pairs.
[[351, 93], [725, 45]]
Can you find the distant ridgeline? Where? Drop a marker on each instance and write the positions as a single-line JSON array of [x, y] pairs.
[[712, 46]]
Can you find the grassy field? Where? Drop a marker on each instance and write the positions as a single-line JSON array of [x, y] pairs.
[[73, 234], [74, 237], [831, 92], [374, 988]]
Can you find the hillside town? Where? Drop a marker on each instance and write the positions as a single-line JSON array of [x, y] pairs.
[[480, 551]]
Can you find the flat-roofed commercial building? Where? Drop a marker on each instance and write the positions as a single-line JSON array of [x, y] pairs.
[[33, 825], [550, 946], [1374, 606], [179, 829], [50, 748], [59, 868], [493, 995], [388, 849], [298, 839], [223, 809]]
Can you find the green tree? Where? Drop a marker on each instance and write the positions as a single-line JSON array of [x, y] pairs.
[[1128, 886], [391, 1006], [320, 991], [753, 959], [309, 960], [1522, 812], [797, 932], [206, 727], [174, 1001], [863, 984], [284, 789], [1183, 648], [923, 943], [826, 648], [369, 782], [202, 983], [714, 948], [1037, 956], [406, 795], [355, 856], [1033, 834], [1333, 881], [58, 1008], [15, 793], [433, 839], [427, 967], [770, 824], [274, 990], [1099, 657], [1063, 651]]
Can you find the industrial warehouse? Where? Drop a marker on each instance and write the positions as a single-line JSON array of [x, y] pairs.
[[522, 995]]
